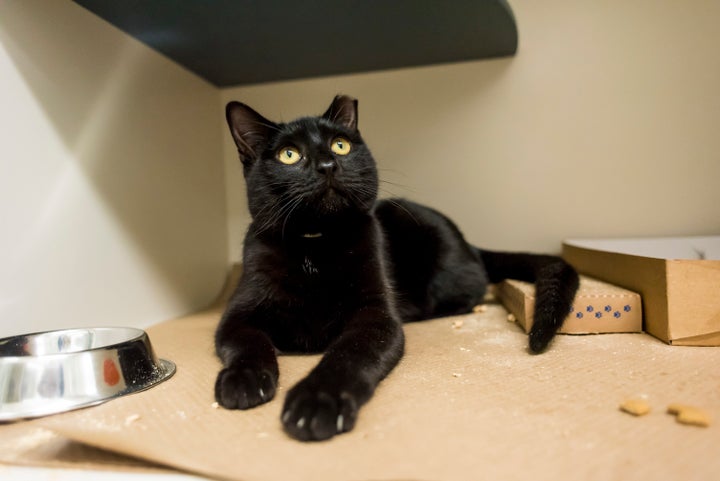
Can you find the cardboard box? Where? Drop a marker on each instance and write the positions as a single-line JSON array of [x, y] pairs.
[[678, 278], [598, 307]]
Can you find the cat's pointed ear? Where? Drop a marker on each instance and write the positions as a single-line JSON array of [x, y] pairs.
[[249, 129], [344, 111]]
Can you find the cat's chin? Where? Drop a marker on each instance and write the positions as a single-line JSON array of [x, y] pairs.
[[334, 200], [332, 206], [331, 201]]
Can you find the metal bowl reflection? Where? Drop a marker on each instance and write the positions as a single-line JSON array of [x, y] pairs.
[[56, 371]]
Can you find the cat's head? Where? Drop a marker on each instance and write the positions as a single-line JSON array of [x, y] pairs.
[[305, 173]]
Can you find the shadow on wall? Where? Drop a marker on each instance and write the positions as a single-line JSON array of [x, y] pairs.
[[144, 133], [429, 113]]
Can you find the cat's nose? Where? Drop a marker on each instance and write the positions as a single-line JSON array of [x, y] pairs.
[[327, 167]]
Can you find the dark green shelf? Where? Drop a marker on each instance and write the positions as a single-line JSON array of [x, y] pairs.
[[236, 42]]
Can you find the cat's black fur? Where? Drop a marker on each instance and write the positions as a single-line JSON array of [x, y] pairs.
[[327, 267]]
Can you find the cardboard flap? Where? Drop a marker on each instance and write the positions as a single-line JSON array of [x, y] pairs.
[[712, 339], [694, 298]]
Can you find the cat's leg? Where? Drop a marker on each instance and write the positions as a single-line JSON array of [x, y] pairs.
[[327, 401], [250, 370]]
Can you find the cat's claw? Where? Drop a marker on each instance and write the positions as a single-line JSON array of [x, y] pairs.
[[244, 388], [315, 415]]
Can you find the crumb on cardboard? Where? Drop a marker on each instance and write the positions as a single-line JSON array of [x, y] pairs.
[[215, 405], [457, 324], [636, 407], [480, 308], [511, 317], [131, 419], [689, 415], [456, 374]]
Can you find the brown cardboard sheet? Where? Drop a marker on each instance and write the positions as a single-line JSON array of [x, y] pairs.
[[25, 444], [467, 402]]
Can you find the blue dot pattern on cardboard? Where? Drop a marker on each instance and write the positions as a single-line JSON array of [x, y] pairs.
[[617, 314]]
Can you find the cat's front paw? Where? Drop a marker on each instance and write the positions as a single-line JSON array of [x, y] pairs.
[[313, 414], [244, 388]]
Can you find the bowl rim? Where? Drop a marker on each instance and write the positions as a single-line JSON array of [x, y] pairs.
[[138, 334]]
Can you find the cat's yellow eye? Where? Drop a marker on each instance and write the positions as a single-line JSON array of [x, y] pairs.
[[289, 155], [340, 146]]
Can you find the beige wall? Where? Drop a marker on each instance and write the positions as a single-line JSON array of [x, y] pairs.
[[605, 123], [112, 207], [112, 190]]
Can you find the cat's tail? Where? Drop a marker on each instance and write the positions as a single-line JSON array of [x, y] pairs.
[[556, 283]]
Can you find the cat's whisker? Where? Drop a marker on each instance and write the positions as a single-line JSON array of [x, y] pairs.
[[274, 211], [287, 216], [276, 214], [393, 171], [402, 207], [269, 126], [269, 208], [395, 184], [387, 192]]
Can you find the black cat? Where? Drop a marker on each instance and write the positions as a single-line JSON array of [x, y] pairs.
[[328, 267]]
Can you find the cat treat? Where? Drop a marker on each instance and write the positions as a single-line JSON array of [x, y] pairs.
[[636, 407], [131, 419], [685, 414]]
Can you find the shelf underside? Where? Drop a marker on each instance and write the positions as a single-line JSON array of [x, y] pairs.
[[235, 42]]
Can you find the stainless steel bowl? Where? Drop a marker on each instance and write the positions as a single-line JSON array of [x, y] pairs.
[[51, 372]]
